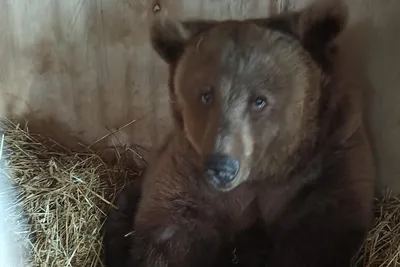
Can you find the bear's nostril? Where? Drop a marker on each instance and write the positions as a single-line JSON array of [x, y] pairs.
[[221, 170]]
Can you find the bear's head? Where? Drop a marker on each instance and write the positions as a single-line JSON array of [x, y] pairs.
[[246, 93]]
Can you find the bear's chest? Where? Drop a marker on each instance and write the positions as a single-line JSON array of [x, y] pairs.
[[240, 207], [272, 202]]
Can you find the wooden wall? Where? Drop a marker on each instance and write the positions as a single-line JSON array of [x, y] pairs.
[[80, 69]]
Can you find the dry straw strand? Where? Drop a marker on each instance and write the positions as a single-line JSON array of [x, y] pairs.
[[382, 245], [1, 146]]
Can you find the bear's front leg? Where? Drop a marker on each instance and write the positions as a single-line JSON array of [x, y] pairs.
[[174, 245], [118, 225], [312, 248], [318, 240], [173, 235]]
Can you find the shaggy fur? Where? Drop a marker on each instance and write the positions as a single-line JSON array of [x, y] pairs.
[[306, 171]]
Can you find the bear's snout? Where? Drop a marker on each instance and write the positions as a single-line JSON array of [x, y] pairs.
[[221, 170]]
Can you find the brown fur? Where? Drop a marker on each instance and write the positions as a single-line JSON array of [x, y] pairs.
[[306, 170]]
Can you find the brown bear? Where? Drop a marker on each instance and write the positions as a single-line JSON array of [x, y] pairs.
[[267, 133]]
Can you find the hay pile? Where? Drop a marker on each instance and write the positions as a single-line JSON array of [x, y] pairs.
[[67, 194], [382, 245]]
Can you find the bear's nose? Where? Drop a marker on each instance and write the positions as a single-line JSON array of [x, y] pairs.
[[221, 170]]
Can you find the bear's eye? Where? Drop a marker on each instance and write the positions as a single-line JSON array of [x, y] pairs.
[[207, 97], [259, 103]]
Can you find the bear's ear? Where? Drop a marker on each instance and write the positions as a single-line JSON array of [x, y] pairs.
[[169, 36], [316, 26]]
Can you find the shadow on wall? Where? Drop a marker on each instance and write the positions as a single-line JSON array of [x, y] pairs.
[[376, 42]]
